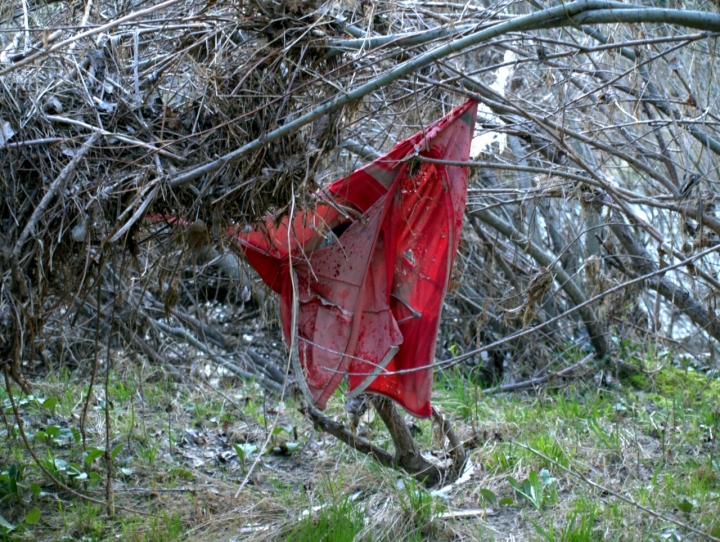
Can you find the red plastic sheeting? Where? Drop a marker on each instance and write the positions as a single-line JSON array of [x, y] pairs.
[[368, 301]]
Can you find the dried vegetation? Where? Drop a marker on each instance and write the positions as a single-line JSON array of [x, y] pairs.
[[591, 219]]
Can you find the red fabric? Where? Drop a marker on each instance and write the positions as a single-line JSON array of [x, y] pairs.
[[369, 303]]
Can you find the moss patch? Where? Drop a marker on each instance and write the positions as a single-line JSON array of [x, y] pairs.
[[670, 381]]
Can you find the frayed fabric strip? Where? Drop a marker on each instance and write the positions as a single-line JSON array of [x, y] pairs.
[[372, 263]]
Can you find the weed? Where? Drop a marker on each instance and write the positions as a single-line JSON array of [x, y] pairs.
[[460, 395], [573, 531], [674, 469], [537, 490], [502, 460], [337, 519], [550, 447], [163, 528], [7, 529], [416, 502], [150, 452], [11, 486]]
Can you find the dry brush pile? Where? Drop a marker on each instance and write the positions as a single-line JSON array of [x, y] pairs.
[[591, 214]]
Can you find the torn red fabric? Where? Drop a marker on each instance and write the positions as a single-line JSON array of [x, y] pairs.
[[372, 263]]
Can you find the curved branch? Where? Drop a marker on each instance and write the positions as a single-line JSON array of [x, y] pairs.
[[699, 20]]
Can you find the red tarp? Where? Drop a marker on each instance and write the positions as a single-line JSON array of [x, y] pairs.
[[369, 300]]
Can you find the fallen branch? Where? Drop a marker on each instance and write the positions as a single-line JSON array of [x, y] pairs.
[[407, 455], [342, 433]]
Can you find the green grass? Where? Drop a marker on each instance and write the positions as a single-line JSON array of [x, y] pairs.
[[335, 519], [652, 437]]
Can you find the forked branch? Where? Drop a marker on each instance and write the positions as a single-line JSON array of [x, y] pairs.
[[407, 454]]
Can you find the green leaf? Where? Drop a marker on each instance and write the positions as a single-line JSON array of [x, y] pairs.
[[505, 501], [686, 506], [240, 451], [547, 479], [529, 491], [92, 455], [116, 450], [53, 431], [280, 429], [489, 496], [292, 447], [33, 516], [245, 449], [50, 403], [126, 472], [36, 489], [74, 470]]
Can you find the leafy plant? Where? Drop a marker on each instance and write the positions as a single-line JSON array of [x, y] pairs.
[[51, 404], [243, 451], [10, 482], [57, 435], [489, 497], [537, 490], [31, 518], [68, 472], [280, 444]]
